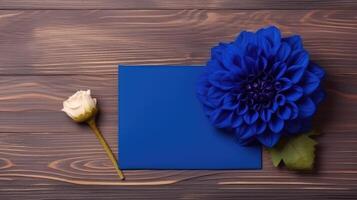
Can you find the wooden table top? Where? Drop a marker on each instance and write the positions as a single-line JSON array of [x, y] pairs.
[[50, 48]]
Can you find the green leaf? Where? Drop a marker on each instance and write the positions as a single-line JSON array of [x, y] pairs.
[[275, 157], [297, 153]]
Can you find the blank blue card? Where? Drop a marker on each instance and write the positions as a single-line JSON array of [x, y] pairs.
[[162, 124]]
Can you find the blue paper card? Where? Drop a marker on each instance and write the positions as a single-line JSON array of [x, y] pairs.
[[162, 124]]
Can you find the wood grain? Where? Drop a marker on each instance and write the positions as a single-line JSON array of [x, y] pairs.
[[92, 42], [42, 147], [182, 4], [49, 49]]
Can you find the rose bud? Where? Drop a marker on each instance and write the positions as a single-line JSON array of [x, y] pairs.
[[81, 107]]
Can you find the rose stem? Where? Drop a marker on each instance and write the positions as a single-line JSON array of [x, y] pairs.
[[106, 147]]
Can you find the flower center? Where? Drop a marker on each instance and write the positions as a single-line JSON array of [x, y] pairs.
[[259, 91]]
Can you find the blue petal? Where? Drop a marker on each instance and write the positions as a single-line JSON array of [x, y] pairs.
[[217, 51], [274, 106], [309, 82], [214, 92], [214, 96], [318, 96], [253, 51], [262, 63], [300, 58], [221, 80], [294, 110], [279, 69], [237, 61], [245, 131], [240, 73], [294, 73], [265, 115], [249, 64], [245, 38], [306, 107], [214, 65], [204, 89], [317, 70], [251, 116], [283, 52], [294, 93], [229, 102], [242, 108], [272, 34], [260, 126], [227, 58], [285, 83], [294, 41], [284, 112], [276, 124], [280, 99], [265, 45], [221, 118], [237, 121], [268, 139]]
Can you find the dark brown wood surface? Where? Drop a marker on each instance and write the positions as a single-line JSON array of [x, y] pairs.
[[179, 4], [49, 49]]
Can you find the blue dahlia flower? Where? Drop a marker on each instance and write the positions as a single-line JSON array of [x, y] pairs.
[[261, 86]]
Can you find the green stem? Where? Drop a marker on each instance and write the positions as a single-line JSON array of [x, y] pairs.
[[106, 147]]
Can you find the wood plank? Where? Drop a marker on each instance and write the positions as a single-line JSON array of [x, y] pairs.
[[40, 146], [178, 4], [43, 155], [94, 42]]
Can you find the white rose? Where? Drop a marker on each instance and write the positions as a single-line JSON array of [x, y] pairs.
[[81, 106]]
